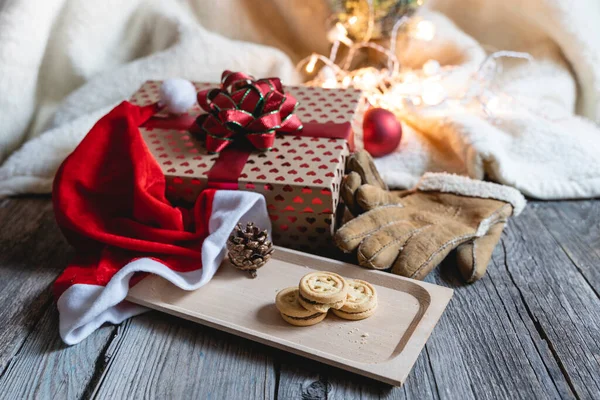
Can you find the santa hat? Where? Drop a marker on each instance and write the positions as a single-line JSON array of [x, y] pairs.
[[109, 200]]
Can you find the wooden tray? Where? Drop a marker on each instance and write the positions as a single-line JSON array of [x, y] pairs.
[[384, 346]]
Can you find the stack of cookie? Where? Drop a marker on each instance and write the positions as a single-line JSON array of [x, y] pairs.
[[321, 291]]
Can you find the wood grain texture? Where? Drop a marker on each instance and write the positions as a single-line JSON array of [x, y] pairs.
[[305, 379], [575, 226], [420, 385], [565, 308], [300, 378], [45, 368], [163, 357], [486, 347], [529, 329], [32, 254]]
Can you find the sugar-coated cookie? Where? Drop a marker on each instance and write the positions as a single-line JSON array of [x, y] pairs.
[[320, 291], [291, 310], [361, 301]]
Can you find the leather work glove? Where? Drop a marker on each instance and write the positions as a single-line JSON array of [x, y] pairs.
[[411, 232], [360, 170]]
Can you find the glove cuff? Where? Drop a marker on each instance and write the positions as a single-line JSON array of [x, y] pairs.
[[461, 185]]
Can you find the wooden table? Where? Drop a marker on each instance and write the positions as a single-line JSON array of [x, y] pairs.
[[529, 329]]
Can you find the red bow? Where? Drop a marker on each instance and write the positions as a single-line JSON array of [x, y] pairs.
[[244, 107]]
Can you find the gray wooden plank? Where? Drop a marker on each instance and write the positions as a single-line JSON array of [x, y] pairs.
[[419, 385], [33, 253], [300, 378], [546, 367], [45, 368], [560, 300], [485, 348], [159, 356], [575, 225], [529, 329], [343, 386], [306, 379]]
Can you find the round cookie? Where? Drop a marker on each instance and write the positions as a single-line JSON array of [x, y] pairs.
[[320, 291], [292, 312], [361, 301], [319, 307], [354, 316], [315, 319]]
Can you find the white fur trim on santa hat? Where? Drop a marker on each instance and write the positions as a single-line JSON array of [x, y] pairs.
[[177, 95], [83, 308], [457, 184]]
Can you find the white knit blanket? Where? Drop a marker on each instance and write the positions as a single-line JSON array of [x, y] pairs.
[[65, 63]]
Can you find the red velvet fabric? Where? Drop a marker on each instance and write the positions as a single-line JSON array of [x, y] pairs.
[[109, 200]]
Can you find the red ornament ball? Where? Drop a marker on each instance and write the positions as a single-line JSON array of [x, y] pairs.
[[381, 132]]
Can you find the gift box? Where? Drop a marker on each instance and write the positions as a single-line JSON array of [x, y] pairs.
[[300, 176]]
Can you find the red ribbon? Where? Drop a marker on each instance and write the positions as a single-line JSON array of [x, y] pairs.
[[227, 169], [246, 108]]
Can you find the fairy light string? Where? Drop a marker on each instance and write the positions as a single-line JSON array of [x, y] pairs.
[[399, 89]]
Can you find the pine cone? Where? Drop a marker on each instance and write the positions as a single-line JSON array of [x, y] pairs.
[[249, 249]]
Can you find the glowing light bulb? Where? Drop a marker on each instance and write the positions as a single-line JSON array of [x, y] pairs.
[[431, 67], [352, 20], [493, 104], [339, 34], [433, 93], [329, 83], [326, 72], [369, 79], [409, 86], [424, 30], [410, 77], [396, 90], [310, 67], [341, 28]]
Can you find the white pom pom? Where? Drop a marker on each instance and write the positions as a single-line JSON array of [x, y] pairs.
[[177, 95]]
